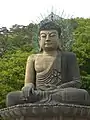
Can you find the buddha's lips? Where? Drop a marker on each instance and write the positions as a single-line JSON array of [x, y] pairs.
[[48, 43]]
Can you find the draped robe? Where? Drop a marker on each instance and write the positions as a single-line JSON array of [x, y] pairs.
[[60, 82]]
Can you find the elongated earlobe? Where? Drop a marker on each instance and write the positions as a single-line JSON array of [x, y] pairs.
[[38, 38], [40, 49], [59, 45]]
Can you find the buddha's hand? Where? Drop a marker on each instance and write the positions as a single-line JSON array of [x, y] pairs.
[[28, 90]]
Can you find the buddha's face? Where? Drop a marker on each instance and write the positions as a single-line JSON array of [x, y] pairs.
[[49, 39]]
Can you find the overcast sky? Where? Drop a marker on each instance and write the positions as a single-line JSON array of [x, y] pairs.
[[22, 12]]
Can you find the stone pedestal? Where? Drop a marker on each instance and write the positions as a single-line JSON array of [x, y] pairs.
[[46, 112]]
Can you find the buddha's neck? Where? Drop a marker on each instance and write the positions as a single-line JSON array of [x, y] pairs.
[[51, 53]]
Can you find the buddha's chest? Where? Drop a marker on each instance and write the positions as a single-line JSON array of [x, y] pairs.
[[43, 62]]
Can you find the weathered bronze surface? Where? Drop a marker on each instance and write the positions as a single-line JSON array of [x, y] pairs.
[[46, 111], [52, 84], [52, 74]]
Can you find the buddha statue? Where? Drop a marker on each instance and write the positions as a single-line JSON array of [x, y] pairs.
[[52, 75]]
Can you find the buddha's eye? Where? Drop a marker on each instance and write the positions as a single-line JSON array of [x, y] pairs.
[[52, 35], [43, 36]]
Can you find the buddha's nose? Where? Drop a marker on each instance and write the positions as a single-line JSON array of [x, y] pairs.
[[47, 38]]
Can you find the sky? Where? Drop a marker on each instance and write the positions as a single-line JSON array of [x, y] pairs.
[[23, 12]]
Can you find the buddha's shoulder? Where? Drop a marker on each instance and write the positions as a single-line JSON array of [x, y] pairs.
[[35, 56], [68, 54]]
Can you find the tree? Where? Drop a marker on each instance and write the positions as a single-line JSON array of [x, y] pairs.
[[82, 49], [12, 71]]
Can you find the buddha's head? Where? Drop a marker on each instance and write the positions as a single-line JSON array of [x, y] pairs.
[[49, 35]]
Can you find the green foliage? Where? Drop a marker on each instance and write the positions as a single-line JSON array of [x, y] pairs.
[[82, 49], [86, 82], [12, 71]]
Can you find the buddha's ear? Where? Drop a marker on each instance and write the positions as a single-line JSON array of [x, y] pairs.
[[59, 44], [39, 40]]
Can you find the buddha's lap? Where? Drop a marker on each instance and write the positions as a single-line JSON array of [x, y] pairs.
[[72, 95], [65, 94]]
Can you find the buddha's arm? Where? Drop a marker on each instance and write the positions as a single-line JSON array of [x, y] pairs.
[[73, 72], [74, 84], [30, 71]]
